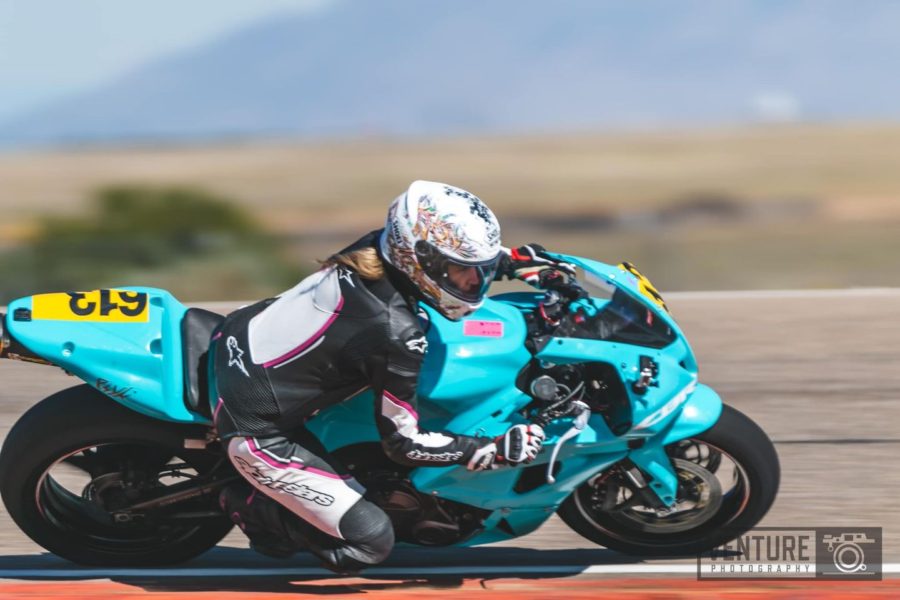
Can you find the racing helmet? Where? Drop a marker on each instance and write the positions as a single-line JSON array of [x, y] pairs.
[[447, 242]]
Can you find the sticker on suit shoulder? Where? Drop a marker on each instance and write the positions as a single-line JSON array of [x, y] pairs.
[[483, 328]]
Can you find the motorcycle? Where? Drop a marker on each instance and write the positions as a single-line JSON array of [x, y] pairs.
[[640, 457]]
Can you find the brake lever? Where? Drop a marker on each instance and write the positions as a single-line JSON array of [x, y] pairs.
[[580, 422]]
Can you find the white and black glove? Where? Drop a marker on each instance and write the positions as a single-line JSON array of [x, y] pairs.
[[532, 264], [520, 444]]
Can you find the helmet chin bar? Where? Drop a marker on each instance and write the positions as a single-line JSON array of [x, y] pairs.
[[456, 312]]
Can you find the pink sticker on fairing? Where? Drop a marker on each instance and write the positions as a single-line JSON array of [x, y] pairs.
[[483, 328]]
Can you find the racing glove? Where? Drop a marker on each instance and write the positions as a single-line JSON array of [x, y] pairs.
[[532, 264], [520, 444]]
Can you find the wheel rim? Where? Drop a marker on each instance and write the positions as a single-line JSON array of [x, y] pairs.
[[714, 490], [699, 498], [79, 495]]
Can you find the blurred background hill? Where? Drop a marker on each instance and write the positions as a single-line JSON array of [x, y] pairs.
[[401, 67], [717, 145]]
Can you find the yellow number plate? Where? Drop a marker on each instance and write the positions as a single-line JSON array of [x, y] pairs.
[[645, 286], [108, 306]]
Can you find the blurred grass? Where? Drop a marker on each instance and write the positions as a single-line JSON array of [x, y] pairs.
[[182, 239], [767, 207], [288, 185]]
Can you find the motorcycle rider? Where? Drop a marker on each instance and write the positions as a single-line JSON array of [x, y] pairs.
[[355, 324]]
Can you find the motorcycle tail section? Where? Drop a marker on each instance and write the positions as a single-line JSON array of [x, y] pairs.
[[126, 343]]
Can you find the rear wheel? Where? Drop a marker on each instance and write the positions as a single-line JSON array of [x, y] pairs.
[[728, 478], [76, 467]]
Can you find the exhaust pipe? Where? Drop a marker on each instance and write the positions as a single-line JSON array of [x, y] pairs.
[[4, 341], [10, 348]]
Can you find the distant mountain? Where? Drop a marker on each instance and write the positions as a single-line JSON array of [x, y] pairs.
[[413, 67]]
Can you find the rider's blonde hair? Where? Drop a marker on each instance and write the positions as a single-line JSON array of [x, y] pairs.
[[365, 262]]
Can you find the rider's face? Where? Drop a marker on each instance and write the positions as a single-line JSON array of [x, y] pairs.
[[464, 278]]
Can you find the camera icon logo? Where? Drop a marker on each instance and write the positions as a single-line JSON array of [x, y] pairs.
[[847, 553]]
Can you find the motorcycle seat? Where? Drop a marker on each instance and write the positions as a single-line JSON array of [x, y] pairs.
[[197, 328]]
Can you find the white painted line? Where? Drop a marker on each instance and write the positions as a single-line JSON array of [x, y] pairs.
[[632, 569], [782, 294], [640, 569], [315, 571]]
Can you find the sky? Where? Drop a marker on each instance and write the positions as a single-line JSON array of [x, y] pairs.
[[51, 48]]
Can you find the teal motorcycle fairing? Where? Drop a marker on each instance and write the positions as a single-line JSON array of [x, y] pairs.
[[134, 359], [467, 384]]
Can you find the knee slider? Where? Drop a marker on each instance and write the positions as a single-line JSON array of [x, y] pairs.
[[369, 529]]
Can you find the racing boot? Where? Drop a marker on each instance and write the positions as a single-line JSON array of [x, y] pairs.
[[258, 517], [276, 532]]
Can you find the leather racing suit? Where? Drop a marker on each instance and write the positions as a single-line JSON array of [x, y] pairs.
[[280, 360]]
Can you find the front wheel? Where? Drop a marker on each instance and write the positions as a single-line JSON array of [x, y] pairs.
[[74, 468], [728, 478]]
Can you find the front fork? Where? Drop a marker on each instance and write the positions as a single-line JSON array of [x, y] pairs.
[[656, 475], [650, 462], [700, 412]]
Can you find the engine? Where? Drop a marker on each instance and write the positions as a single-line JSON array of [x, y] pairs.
[[417, 518], [423, 519]]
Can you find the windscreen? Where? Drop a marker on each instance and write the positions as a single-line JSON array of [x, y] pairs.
[[620, 318]]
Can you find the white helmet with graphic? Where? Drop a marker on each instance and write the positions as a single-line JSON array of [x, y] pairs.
[[447, 242]]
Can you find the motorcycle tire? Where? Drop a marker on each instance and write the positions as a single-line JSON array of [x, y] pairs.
[[81, 422], [737, 438]]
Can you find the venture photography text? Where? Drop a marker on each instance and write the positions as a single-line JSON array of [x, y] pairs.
[[815, 553]]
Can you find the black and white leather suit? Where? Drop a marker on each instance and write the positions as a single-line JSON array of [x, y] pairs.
[[280, 360]]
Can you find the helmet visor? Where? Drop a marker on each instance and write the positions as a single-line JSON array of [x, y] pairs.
[[468, 281]]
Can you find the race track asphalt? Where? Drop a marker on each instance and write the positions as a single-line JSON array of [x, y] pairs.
[[820, 372]]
